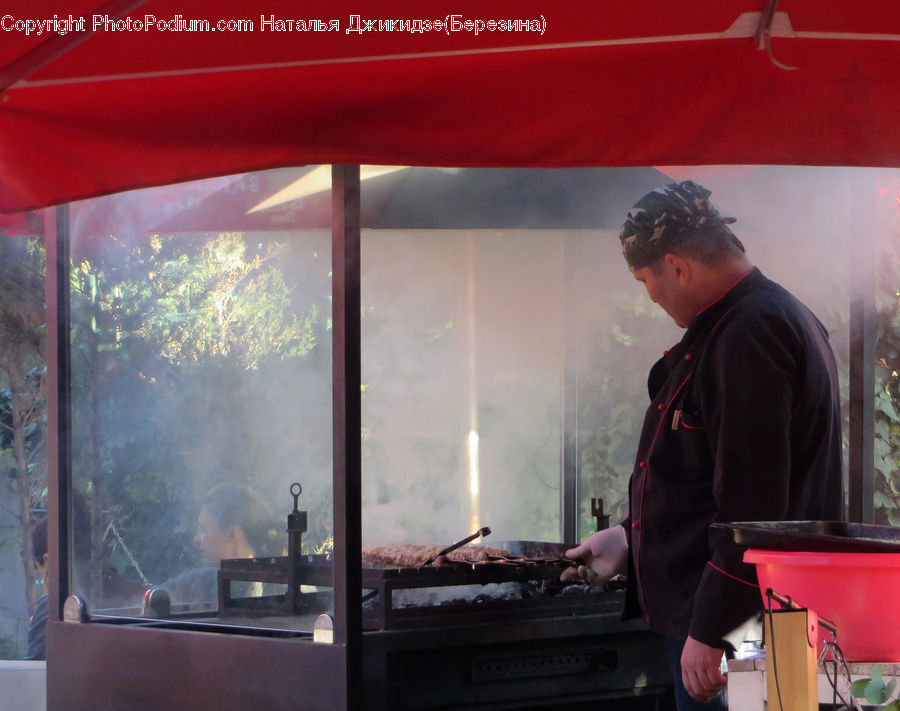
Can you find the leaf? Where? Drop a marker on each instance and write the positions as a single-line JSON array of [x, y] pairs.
[[882, 500], [875, 693], [884, 404], [894, 517], [893, 706], [858, 688]]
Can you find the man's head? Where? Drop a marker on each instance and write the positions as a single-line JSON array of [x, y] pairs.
[[676, 218], [681, 249], [234, 522]]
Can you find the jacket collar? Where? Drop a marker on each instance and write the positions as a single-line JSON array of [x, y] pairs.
[[712, 313]]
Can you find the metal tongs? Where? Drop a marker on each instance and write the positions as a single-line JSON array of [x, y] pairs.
[[483, 531]]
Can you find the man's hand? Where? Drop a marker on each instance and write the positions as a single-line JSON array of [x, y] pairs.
[[605, 554], [700, 671]]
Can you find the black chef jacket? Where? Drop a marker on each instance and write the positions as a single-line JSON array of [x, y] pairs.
[[743, 425]]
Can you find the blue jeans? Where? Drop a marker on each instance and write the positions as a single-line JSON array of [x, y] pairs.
[[683, 701]]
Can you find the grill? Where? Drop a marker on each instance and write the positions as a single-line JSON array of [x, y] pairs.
[[454, 593], [554, 649], [498, 633], [473, 630]]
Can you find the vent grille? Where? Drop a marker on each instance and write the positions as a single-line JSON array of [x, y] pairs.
[[543, 663]]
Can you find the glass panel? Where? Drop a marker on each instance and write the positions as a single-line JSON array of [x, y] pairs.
[[201, 391], [23, 419], [468, 302], [461, 388], [466, 306], [887, 351], [798, 225], [201, 356]]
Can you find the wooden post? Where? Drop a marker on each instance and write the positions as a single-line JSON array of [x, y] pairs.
[[791, 637]]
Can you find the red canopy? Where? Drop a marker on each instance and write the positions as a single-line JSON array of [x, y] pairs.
[[173, 91]]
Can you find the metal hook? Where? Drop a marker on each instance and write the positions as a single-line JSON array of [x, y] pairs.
[[764, 34]]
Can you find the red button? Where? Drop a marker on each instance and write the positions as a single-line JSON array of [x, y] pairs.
[[688, 356], [643, 465], [636, 525], [660, 407]]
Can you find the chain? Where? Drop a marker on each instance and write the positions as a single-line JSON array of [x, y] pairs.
[[842, 679], [112, 527]]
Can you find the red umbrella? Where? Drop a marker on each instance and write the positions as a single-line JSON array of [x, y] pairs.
[[21, 223], [162, 93]]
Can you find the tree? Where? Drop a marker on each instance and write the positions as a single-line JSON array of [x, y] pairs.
[[22, 371], [170, 339]]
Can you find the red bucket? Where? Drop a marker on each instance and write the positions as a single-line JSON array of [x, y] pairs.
[[858, 592]]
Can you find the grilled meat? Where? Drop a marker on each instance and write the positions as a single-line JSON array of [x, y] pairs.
[[411, 555]]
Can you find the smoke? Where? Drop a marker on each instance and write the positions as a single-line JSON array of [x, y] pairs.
[[467, 308], [800, 225]]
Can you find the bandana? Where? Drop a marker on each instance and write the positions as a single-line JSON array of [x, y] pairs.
[[664, 217]]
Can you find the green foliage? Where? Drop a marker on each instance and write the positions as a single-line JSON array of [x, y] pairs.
[[32, 427], [22, 297], [179, 351], [887, 399], [22, 379], [193, 299], [874, 689], [22, 368], [8, 649]]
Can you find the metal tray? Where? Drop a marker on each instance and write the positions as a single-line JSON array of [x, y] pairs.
[[815, 536], [536, 549]]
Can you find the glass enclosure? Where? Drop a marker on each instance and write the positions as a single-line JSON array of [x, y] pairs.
[[201, 392], [484, 290], [201, 360]]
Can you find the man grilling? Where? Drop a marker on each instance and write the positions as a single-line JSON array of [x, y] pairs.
[[743, 425]]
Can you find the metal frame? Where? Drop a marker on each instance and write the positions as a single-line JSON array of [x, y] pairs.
[[241, 671], [235, 672], [58, 412], [861, 434], [570, 509], [346, 316], [861, 430]]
